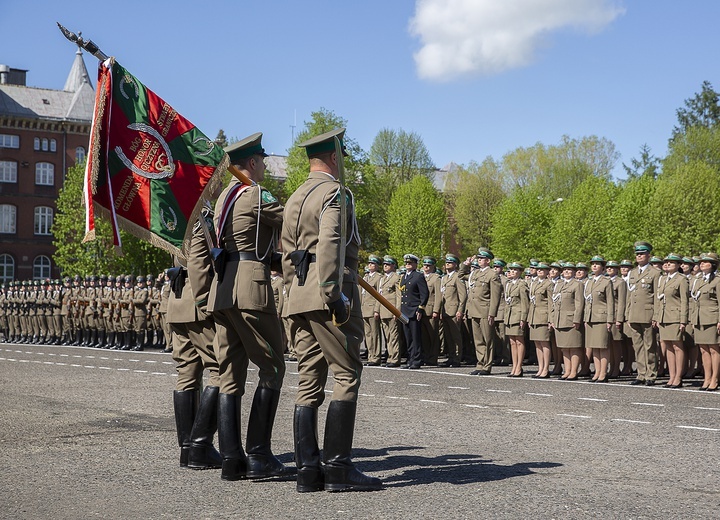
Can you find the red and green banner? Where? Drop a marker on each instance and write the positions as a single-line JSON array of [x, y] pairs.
[[149, 169]]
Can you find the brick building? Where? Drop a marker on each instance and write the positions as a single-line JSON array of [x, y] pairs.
[[43, 132]]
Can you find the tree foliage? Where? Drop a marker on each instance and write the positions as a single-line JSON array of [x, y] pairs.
[[629, 220], [701, 110], [582, 223], [556, 170], [647, 164], [472, 194], [96, 256], [400, 156], [416, 219]]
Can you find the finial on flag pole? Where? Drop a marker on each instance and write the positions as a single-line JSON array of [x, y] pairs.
[[88, 45]]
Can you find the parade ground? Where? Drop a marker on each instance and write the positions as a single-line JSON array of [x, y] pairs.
[[90, 433]]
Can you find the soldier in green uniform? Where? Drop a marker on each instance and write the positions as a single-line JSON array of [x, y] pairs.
[[642, 288], [430, 320], [483, 301], [247, 222], [371, 312], [599, 316], [320, 270], [388, 287], [453, 294]]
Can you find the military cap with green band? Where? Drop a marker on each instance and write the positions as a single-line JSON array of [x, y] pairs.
[[499, 262], [612, 263], [429, 260], [451, 258], [247, 147], [324, 143], [643, 247], [598, 258], [387, 259], [673, 257], [484, 252], [374, 260]]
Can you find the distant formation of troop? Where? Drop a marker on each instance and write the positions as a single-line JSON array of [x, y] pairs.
[[113, 312]]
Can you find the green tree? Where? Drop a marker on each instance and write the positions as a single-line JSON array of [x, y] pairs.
[[521, 225], [583, 224], [703, 109], [416, 219], [95, 256], [400, 156], [684, 212], [472, 194], [556, 170], [221, 139], [647, 164], [629, 218]]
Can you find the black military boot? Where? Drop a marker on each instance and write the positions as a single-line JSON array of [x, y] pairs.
[[110, 339], [340, 472], [203, 454], [185, 404], [100, 341], [234, 462], [307, 452], [127, 339], [78, 338], [138, 343], [261, 463], [93, 340], [85, 338]]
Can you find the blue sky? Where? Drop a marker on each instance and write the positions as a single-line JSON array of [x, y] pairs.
[[474, 78]]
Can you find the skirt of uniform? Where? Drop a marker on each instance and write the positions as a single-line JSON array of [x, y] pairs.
[[568, 338], [670, 332], [539, 333], [514, 330], [705, 335], [616, 334], [596, 335]]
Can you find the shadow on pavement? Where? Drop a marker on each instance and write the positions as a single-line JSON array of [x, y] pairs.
[[451, 468]]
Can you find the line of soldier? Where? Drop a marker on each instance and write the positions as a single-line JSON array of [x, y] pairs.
[[483, 311], [121, 313]]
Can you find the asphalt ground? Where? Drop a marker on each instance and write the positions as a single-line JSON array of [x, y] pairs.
[[90, 433]]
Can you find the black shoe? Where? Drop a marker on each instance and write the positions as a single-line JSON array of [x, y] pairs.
[[392, 365], [571, 378], [637, 382], [405, 366], [480, 373], [371, 364], [650, 382], [414, 367]]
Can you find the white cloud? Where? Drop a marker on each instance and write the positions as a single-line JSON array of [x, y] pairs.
[[485, 37]]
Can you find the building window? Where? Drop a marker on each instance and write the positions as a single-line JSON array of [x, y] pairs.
[[8, 171], [45, 174], [9, 141], [43, 220], [41, 267], [44, 144], [7, 268], [7, 218], [36, 144], [53, 145], [79, 155]]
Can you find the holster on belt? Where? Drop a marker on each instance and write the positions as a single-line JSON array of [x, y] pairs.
[[177, 280], [218, 261], [300, 258]]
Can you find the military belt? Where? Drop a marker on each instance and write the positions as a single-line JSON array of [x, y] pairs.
[[244, 256]]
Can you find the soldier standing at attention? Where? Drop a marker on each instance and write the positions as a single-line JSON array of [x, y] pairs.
[[415, 294], [371, 313], [430, 332], [454, 295], [642, 286], [599, 317], [247, 221], [389, 324], [320, 271]]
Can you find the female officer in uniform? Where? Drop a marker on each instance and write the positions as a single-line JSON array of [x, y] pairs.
[[516, 312], [567, 316], [671, 316], [540, 296], [705, 318]]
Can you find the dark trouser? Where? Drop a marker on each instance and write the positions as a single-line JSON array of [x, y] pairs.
[[413, 340]]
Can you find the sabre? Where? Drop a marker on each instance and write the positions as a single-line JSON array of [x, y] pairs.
[[93, 49]]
